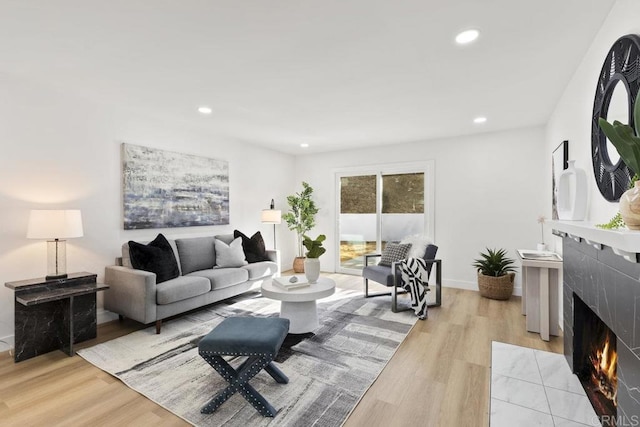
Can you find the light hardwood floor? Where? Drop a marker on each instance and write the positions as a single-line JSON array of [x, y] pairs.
[[439, 375]]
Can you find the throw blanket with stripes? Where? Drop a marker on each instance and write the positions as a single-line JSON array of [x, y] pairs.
[[414, 281]]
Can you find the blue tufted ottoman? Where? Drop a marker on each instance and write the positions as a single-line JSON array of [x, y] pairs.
[[257, 338]]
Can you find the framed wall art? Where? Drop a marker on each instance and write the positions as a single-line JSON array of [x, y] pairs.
[[164, 189], [559, 162]]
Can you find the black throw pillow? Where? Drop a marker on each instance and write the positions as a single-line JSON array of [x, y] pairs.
[[253, 247], [156, 257]]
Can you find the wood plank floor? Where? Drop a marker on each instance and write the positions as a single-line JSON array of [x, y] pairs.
[[438, 377]]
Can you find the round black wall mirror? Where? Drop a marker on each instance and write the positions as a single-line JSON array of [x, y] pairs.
[[616, 91]]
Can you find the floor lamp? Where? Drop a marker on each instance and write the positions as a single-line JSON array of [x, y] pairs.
[[271, 216]]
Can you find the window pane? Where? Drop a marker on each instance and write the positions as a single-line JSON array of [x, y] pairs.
[[358, 194], [357, 219], [403, 193]]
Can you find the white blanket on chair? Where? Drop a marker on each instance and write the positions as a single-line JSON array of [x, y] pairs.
[[413, 271]]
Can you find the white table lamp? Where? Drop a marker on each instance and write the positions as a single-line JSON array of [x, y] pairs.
[[55, 225], [271, 216]]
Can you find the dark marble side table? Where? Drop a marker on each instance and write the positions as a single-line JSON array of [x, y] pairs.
[[54, 314]]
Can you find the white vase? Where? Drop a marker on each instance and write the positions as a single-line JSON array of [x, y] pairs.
[[572, 193], [312, 269]]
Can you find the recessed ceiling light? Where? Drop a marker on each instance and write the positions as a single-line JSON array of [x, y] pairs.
[[479, 120], [304, 145], [204, 110], [467, 36]]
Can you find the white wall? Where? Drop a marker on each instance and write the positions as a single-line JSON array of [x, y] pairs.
[[488, 192], [63, 152], [572, 117]]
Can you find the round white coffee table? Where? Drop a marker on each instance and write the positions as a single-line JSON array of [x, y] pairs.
[[299, 305]]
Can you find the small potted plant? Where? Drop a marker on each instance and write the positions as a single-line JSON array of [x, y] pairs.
[[301, 218], [626, 139], [312, 262], [495, 274]]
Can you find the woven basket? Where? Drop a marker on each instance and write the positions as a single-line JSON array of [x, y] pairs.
[[298, 264], [500, 287]]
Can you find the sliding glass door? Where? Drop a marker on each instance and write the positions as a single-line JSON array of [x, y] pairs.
[[379, 207], [357, 222]]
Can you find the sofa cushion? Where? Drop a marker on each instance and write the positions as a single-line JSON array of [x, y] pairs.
[[230, 255], [126, 258], [394, 252], [246, 336], [223, 277], [261, 269], [253, 246], [380, 274], [156, 257], [227, 238], [181, 288], [196, 253]]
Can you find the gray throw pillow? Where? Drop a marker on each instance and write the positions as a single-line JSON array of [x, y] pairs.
[[230, 255], [394, 252]]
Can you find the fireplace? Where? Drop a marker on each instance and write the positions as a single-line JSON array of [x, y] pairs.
[[595, 360], [601, 318]]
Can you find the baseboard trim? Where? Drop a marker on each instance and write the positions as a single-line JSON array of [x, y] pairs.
[[7, 343], [104, 316], [473, 286]]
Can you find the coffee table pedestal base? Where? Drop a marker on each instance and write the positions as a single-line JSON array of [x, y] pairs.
[[302, 315]]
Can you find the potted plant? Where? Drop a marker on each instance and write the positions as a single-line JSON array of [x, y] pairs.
[[301, 218], [627, 142], [312, 261], [495, 274]]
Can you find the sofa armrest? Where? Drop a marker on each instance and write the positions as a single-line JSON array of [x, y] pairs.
[[274, 255], [131, 293]]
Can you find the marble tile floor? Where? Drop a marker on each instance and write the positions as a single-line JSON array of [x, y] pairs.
[[536, 388]]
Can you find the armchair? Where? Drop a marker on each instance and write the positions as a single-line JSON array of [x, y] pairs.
[[390, 277]]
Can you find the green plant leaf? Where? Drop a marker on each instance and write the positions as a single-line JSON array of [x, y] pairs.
[[314, 246], [494, 263], [302, 212]]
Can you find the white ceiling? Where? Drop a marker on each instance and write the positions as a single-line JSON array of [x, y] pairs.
[[331, 73]]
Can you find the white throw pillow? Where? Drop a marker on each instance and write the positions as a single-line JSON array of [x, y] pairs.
[[419, 245], [230, 255]]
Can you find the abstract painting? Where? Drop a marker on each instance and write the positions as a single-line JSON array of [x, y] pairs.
[[559, 162], [163, 189]]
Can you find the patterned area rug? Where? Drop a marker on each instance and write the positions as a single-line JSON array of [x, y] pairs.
[[328, 372]]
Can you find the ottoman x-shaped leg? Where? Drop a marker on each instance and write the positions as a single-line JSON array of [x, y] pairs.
[[239, 382]]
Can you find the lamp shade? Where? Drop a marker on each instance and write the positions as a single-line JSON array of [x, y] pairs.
[[54, 224], [271, 216]]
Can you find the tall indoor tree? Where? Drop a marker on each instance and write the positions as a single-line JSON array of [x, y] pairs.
[[301, 219]]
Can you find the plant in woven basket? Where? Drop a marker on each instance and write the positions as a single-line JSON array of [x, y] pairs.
[[495, 274], [494, 263]]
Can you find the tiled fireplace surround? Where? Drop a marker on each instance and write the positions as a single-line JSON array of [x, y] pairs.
[[610, 286]]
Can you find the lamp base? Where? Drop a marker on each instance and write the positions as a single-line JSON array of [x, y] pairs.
[[56, 259]]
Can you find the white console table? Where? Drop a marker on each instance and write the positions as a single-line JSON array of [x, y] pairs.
[[540, 281]]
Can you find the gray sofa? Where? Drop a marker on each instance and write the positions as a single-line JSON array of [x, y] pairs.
[[135, 294]]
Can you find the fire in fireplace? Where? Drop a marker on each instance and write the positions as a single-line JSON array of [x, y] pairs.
[[604, 362], [595, 360]]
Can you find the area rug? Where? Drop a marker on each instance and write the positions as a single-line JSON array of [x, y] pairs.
[[328, 371]]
